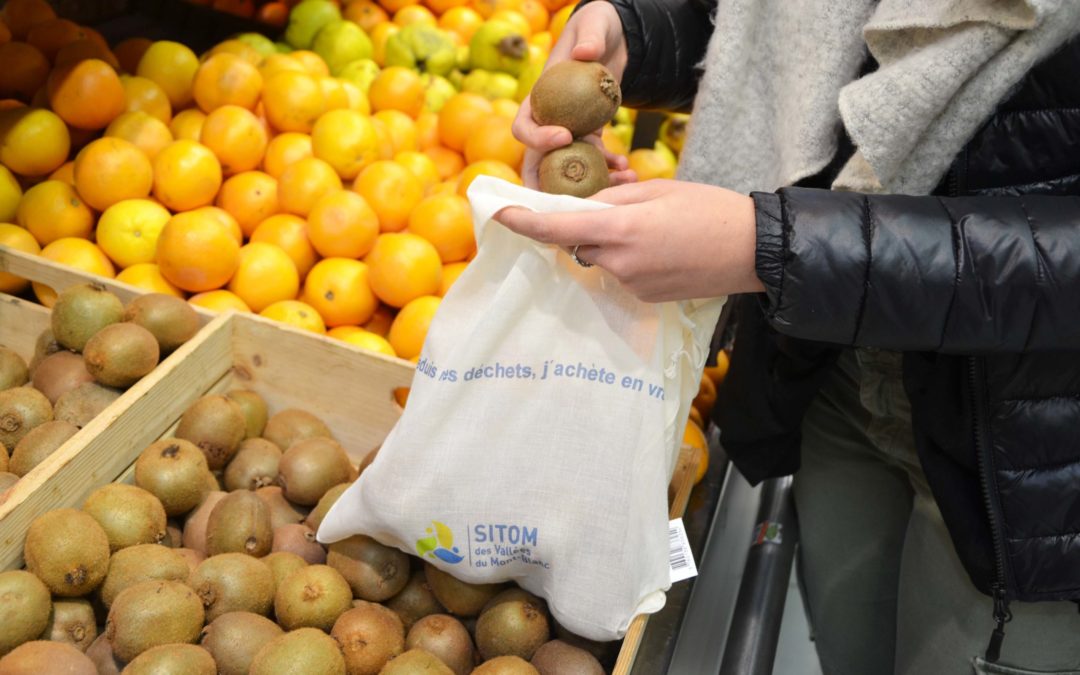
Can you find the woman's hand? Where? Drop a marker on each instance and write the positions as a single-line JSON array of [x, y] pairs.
[[593, 33], [663, 239]]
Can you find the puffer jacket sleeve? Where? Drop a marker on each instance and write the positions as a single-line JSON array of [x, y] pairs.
[[665, 41], [962, 275]]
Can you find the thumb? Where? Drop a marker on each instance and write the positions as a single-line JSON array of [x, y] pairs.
[[590, 39]]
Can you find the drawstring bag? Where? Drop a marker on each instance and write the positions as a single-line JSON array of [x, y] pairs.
[[542, 428]]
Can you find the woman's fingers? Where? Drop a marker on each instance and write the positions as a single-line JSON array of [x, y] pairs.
[[579, 228]]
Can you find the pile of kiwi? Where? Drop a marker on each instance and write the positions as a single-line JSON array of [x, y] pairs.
[[208, 563], [581, 96], [94, 349]]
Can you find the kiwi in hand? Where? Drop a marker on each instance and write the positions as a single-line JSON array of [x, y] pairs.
[[578, 169], [579, 95]]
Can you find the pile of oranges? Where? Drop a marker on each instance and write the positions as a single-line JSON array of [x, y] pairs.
[[244, 179]]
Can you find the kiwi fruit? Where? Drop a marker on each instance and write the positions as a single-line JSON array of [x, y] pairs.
[[505, 665], [282, 511], [44, 346], [25, 606], [21, 409], [42, 441], [305, 650], [233, 582], [84, 403], [7, 479], [142, 562], [578, 169], [254, 465], [153, 613], [240, 523], [234, 638], [445, 637], [313, 596], [369, 635], [192, 557], [292, 425], [458, 597], [4, 459], [120, 354], [581, 96], [254, 409], [100, 652], [73, 622], [282, 564], [67, 550], [415, 601], [13, 370], [81, 311], [174, 471], [129, 515], [58, 374], [194, 536], [299, 539], [604, 652], [315, 518], [43, 656], [216, 424], [171, 320], [178, 659], [558, 658], [310, 467], [375, 572], [514, 622], [416, 661]]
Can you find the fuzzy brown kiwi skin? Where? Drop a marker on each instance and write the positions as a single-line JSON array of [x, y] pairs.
[[240, 523], [120, 354], [581, 96], [21, 409], [59, 373], [36, 446], [254, 465], [13, 370], [578, 169], [25, 612], [82, 311]]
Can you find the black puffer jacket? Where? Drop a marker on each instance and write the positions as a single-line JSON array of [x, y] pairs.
[[979, 285]]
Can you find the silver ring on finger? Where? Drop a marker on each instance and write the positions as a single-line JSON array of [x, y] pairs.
[[579, 261]]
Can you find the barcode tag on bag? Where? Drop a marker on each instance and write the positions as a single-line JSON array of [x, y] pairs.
[[679, 554]]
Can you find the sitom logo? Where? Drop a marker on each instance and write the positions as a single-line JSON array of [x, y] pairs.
[[438, 544]]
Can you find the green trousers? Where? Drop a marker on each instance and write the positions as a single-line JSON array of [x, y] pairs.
[[885, 590]]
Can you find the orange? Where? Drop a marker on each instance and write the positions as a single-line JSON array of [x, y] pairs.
[[274, 13], [365, 13], [75, 252], [219, 301], [542, 41], [226, 79], [445, 221], [447, 162], [558, 21], [236, 48], [110, 170], [379, 35], [446, 187], [404, 266], [410, 326], [18, 239], [393, 6], [460, 116], [130, 51], [84, 50], [694, 437], [264, 276], [289, 233], [50, 36], [277, 63], [392, 191], [52, 210], [462, 21], [504, 107], [128, 231], [295, 313], [513, 17], [25, 70], [173, 67], [492, 139], [649, 164], [236, 136], [535, 14], [385, 140], [358, 100], [285, 149], [706, 396], [341, 224], [427, 130], [145, 132], [87, 94], [450, 274], [397, 88], [422, 166], [22, 15], [612, 142], [401, 128], [188, 124], [250, 197], [10, 195], [338, 289], [718, 372], [147, 276], [334, 94], [187, 175], [225, 219], [312, 62], [304, 182], [381, 320], [486, 167], [695, 417], [346, 140], [145, 95], [195, 253], [293, 101], [65, 174], [441, 7], [414, 14], [358, 337]]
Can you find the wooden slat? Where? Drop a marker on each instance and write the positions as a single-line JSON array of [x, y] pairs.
[[21, 323]]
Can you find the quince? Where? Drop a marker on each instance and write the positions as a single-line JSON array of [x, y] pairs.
[[422, 47], [341, 42], [306, 19], [498, 46]]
